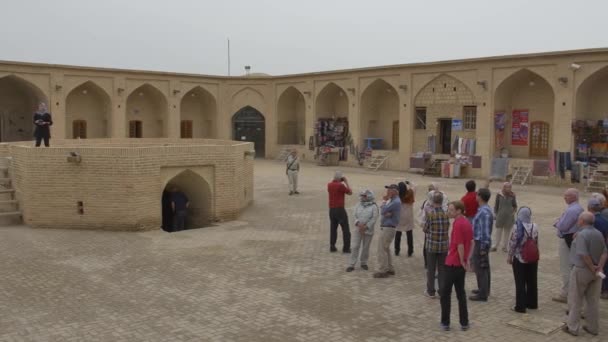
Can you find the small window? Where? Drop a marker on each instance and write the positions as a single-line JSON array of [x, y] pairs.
[[135, 129], [420, 118], [79, 129], [186, 129], [470, 117]]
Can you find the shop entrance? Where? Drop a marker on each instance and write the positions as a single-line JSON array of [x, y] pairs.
[[249, 125], [445, 136]]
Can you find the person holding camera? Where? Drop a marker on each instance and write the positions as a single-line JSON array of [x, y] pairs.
[[43, 122], [337, 188]]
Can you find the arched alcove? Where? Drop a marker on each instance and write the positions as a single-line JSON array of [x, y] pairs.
[[198, 114], [440, 102], [88, 112], [526, 92], [146, 113], [18, 101], [200, 198], [380, 114], [291, 118], [332, 101]]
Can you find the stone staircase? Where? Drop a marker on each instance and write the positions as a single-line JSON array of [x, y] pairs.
[[377, 160], [598, 179], [10, 214], [521, 175]]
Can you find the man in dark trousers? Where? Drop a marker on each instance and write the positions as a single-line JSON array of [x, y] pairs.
[[179, 205], [482, 235], [337, 188], [42, 121]]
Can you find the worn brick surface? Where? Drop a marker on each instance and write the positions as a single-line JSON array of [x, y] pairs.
[[266, 277], [120, 181]]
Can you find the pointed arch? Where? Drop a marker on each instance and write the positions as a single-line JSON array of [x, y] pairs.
[[524, 72], [249, 124], [443, 99], [528, 91], [380, 114], [147, 112], [198, 112], [444, 89], [592, 96], [18, 101], [331, 101], [200, 197], [88, 111], [291, 117], [248, 89]]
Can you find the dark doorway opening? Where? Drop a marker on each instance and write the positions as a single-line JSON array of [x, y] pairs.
[[199, 212], [249, 125], [445, 136]]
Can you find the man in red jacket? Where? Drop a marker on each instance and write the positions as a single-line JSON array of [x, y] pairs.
[[470, 200], [337, 188]]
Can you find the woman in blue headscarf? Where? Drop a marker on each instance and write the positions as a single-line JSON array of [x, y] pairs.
[[525, 271]]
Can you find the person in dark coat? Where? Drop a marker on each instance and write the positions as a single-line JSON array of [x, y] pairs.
[[43, 121]]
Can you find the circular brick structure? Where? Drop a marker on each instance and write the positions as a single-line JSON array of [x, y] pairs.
[[118, 184]]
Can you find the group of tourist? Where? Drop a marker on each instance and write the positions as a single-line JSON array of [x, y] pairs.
[[477, 230]]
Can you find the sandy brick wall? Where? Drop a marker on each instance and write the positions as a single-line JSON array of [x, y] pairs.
[[119, 181]]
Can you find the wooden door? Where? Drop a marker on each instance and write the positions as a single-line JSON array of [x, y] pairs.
[[186, 129], [396, 135], [135, 129], [79, 129], [539, 139]]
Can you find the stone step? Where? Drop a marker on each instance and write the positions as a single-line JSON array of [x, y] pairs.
[[10, 213], [5, 180], [9, 202], [6, 191]]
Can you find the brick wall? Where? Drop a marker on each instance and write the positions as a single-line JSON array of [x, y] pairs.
[[119, 180]]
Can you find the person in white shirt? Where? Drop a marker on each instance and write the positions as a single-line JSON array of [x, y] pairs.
[[293, 168]]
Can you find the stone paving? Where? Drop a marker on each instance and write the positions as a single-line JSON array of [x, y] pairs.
[[267, 277]]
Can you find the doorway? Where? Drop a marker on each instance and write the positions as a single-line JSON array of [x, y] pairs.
[[445, 136], [396, 135], [199, 213], [249, 125]]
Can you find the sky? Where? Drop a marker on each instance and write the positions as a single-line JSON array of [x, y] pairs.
[[280, 37]]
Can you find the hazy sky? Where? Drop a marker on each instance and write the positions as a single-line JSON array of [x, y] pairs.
[[285, 36]]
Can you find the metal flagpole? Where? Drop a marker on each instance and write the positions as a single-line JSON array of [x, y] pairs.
[[228, 56]]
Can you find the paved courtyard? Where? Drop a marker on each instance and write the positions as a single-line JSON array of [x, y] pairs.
[[267, 277]]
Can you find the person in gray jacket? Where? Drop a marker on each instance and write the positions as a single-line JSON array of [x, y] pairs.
[[366, 216]]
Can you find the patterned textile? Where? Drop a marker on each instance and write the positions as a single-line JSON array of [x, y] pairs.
[[436, 229]]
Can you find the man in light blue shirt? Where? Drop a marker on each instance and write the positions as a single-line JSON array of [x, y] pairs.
[[389, 213], [482, 240], [566, 227]]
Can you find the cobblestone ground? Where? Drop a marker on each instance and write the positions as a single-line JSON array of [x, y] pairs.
[[266, 277]]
